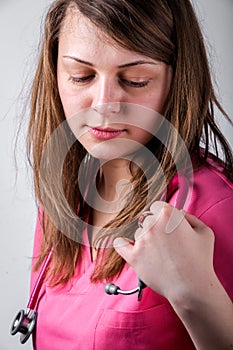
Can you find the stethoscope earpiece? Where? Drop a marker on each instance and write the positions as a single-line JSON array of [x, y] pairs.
[[24, 323]]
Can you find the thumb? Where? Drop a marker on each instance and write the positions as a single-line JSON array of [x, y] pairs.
[[124, 247], [194, 221]]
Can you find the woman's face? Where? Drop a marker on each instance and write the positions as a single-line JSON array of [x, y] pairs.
[[96, 74]]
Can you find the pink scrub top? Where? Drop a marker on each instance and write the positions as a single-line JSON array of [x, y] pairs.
[[81, 316]]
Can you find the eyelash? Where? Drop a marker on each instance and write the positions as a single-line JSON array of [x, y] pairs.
[[131, 83], [81, 80], [135, 84]]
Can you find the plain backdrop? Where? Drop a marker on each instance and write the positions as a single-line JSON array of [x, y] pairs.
[[20, 24]]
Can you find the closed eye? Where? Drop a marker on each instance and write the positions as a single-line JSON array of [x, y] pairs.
[[135, 84], [88, 78], [81, 80]]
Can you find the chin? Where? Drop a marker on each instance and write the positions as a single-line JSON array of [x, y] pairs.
[[115, 149]]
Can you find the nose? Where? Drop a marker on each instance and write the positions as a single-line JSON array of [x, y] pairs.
[[108, 108], [108, 96]]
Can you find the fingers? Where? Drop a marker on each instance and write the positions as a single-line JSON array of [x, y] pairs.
[[156, 210], [164, 212], [194, 221], [168, 217], [157, 207], [165, 219], [124, 247]]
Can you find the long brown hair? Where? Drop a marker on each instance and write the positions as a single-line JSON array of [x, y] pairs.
[[165, 30]]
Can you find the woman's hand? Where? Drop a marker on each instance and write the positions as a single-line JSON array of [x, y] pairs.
[[172, 252]]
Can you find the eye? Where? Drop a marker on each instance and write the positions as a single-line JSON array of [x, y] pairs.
[[135, 84], [81, 80]]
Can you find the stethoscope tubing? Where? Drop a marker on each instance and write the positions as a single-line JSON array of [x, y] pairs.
[[32, 303]]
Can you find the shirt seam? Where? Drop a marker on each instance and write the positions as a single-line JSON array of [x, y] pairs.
[[214, 205]]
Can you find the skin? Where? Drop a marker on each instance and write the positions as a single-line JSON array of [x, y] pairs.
[[182, 262], [94, 72]]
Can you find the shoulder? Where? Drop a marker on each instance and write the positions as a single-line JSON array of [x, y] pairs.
[[212, 203], [212, 190]]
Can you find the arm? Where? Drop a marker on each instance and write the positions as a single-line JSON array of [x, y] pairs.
[[179, 266], [208, 313]]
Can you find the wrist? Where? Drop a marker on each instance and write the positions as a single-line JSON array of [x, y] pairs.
[[207, 315], [190, 298]]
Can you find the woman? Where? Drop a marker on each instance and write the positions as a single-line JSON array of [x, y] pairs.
[[105, 161]]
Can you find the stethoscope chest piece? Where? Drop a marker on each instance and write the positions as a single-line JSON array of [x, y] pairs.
[[24, 323]]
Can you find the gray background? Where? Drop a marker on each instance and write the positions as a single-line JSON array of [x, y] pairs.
[[20, 22]]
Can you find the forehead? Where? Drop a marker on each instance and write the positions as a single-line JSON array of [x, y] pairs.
[[78, 35], [77, 27]]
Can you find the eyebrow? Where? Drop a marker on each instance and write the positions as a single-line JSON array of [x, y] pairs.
[[79, 61], [130, 64]]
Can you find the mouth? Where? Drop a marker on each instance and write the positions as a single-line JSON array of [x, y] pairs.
[[105, 133]]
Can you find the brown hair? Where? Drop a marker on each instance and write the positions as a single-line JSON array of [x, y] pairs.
[[165, 30]]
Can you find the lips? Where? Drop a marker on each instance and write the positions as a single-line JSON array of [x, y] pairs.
[[105, 133]]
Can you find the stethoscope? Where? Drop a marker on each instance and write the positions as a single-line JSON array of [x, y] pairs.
[[25, 320]]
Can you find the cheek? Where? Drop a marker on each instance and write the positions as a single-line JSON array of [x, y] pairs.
[[141, 136], [156, 100], [144, 123], [72, 101], [70, 105]]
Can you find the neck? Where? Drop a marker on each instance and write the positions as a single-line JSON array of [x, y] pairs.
[[115, 175], [113, 188]]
